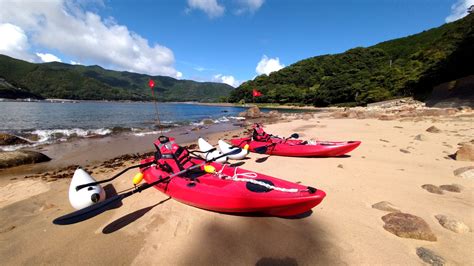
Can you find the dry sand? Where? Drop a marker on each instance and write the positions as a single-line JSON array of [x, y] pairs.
[[150, 229]]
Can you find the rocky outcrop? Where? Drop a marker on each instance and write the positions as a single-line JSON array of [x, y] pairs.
[[397, 109], [273, 114], [208, 121], [252, 112], [307, 116], [430, 257], [451, 224], [15, 158], [465, 153], [408, 226], [455, 93], [385, 206], [7, 139], [465, 172], [396, 103]]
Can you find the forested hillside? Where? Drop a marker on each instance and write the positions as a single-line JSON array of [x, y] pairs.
[[59, 80], [408, 66]]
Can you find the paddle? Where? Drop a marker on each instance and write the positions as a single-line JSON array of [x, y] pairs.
[[126, 169], [263, 149], [115, 176], [91, 211]]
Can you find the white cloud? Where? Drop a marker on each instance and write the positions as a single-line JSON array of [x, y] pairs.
[[268, 65], [459, 10], [48, 57], [74, 63], [229, 80], [14, 42], [249, 6], [64, 26], [211, 7]]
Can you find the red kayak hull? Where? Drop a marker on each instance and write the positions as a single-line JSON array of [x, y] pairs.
[[211, 192], [295, 148]]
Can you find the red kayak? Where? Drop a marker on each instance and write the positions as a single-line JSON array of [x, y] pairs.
[[228, 189], [269, 144], [298, 148]]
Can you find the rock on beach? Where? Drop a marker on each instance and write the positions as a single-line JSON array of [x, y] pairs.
[[465, 153], [430, 257], [452, 225], [15, 158], [408, 226], [7, 139]]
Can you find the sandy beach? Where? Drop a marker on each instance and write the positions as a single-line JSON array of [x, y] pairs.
[[151, 229]]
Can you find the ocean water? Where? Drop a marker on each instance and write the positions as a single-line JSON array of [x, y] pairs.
[[47, 121]]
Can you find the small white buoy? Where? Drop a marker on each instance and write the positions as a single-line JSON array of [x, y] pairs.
[[226, 148], [205, 146], [86, 196]]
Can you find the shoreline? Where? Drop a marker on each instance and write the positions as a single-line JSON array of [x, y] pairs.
[[274, 106], [93, 151], [224, 104]]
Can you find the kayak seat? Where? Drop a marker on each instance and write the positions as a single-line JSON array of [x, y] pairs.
[[170, 156], [259, 135]]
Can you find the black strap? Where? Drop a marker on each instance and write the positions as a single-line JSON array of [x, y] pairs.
[[166, 167]]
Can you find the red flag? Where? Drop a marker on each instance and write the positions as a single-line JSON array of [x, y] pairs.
[[151, 84], [256, 93]]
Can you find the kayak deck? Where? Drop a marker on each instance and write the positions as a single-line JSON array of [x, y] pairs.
[[222, 193]]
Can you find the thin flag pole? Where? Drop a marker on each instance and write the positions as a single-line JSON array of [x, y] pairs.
[[151, 84]]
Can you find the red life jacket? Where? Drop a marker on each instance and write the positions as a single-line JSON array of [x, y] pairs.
[[171, 154], [259, 134]]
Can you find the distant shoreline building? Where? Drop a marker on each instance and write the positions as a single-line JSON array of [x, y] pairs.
[[470, 10]]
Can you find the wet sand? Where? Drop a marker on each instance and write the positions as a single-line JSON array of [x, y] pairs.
[[90, 151], [150, 229]]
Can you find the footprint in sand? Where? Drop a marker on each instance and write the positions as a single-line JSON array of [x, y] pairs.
[[386, 206], [8, 229], [404, 151], [452, 188], [432, 189], [182, 228], [304, 128]]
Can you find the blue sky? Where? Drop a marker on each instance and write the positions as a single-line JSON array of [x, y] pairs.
[[208, 40]]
